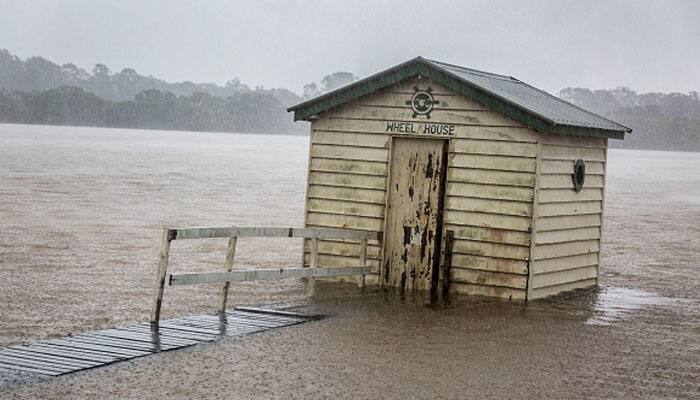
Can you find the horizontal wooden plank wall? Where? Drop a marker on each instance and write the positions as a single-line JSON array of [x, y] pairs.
[[346, 188], [489, 197], [489, 191], [568, 226], [348, 172]]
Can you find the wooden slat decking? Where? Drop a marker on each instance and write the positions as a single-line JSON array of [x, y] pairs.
[[55, 357]]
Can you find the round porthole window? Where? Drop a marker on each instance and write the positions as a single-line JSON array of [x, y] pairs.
[[579, 174]]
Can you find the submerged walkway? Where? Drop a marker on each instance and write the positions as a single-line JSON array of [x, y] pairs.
[[94, 349]]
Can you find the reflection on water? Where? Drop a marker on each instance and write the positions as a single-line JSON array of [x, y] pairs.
[[593, 306], [616, 303]]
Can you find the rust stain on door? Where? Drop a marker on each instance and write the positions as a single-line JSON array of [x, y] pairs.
[[413, 213]]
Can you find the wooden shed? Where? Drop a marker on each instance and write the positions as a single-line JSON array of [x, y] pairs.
[[517, 175]]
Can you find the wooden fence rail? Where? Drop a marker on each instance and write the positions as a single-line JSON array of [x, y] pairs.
[[271, 274], [231, 275]]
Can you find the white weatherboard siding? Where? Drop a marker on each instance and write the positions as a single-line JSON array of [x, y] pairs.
[[568, 228], [489, 191], [505, 190], [493, 176], [488, 205]]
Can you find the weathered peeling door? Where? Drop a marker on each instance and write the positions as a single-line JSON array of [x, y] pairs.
[[414, 213]]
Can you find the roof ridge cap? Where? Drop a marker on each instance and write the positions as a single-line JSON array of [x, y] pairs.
[[472, 69]]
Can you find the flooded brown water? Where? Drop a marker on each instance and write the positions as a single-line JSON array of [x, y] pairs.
[[81, 211]]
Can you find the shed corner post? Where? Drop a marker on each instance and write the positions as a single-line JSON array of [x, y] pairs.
[[313, 263], [363, 262], [168, 236], [533, 223], [602, 216], [447, 262], [230, 255]]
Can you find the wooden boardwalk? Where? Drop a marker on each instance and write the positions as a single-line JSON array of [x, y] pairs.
[[94, 349]]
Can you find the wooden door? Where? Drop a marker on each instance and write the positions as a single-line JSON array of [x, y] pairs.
[[414, 213]]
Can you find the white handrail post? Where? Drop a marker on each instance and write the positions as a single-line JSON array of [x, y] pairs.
[[168, 236], [363, 262], [230, 254], [313, 263]]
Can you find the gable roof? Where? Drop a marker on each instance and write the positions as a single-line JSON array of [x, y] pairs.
[[533, 107]]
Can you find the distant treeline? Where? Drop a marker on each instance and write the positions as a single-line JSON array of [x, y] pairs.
[[660, 121], [38, 91], [37, 74], [254, 111]]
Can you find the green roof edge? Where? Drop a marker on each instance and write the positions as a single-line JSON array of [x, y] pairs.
[[420, 66]]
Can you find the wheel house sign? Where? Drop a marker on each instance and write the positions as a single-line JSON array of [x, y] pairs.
[[422, 103], [426, 148]]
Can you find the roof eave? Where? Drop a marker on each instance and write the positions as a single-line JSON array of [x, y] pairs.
[[585, 131]]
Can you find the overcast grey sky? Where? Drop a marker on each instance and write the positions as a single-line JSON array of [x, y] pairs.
[[646, 45]]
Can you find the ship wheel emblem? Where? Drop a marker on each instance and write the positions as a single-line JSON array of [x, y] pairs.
[[422, 102]]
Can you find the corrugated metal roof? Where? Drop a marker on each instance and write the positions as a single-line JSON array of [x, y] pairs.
[[516, 99], [532, 99]]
